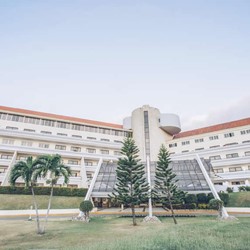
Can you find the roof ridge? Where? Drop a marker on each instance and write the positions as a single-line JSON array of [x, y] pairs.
[[60, 117]]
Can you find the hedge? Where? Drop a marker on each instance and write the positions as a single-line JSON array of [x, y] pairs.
[[61, 191]]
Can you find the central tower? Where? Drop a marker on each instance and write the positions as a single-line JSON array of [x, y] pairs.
[[151, 129]]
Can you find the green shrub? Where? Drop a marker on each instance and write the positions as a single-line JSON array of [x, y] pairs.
[[191, 206], [215, 204], [230, 190], [203, 206], [86, 207], [190, 198], [224, 197], [241, 188], [60, 191], [202, 198], [247, 188], [210, 196]]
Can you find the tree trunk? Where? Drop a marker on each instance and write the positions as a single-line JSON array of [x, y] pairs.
[[133, 214], [172, 210], [39, 231], [49, 205]]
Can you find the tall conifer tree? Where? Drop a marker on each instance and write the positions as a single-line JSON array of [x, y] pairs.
[[131, 186], [165, 182]]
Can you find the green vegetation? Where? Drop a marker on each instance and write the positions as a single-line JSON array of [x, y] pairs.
[[165, 181], [131, 185], [51, 165], [240, 199], [109, 233], [58, 191], [15, 202], [86, 207]]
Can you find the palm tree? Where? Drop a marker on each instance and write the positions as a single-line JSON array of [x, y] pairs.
[[53, 165], [25, 170]]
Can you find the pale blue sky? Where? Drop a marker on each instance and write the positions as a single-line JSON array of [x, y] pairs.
[[102, 59]]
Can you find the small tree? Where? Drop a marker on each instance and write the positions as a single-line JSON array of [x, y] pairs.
[[217, 205], [53, 165], [165, 180], [131, 187], [86, 207], [25, 170]]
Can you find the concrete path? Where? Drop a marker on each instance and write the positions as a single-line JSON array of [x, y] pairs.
[[117, 211]]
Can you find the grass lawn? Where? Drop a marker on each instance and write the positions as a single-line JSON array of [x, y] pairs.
[[15, 202], [116, 233], [240, 199]]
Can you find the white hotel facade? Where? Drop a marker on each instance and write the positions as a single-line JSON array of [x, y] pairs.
[[85, 145]]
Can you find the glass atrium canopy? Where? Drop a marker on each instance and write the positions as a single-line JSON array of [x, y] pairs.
[[188, 172]]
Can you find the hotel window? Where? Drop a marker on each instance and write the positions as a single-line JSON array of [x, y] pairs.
[[91, 150], [60, 147], [243, 132], [197, 149], [102, 139], [62, 134], [105, 131], [26, 143], [233, 155], [22, 158], [91, 129], [73, 162], [247, 153], [172, 145], [117, 141], [43, 145], [215, 157], [230, 144], [29, 130], [76, 127], [91, 138], [219, 170], [248, 167], [88, 163], [46, 132], [3, 116], [8, 141], [77, 136], [14, 118], [6, 157], [31, 120], [214, 137], [104, 152], [185, 143], [11, 128], [185, 151], [199, 140], [238, 182], [47, 123], [246, 141], [63, 125], [229, 135], [117, 153], [215, 146], [235, 169], [75, 149]]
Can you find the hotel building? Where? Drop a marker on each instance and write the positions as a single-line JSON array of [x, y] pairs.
[[91, 147]]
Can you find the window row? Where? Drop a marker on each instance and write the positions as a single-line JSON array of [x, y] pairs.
[[59, 124], [58, 147], [63, 134]]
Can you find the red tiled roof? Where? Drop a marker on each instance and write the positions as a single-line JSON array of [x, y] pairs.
[[214, 128], [59, 117]]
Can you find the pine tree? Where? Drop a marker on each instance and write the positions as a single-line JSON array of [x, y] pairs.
[[165, 182], [131, 186]]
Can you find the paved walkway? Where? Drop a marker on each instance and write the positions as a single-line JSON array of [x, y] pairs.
[[117, 211]]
